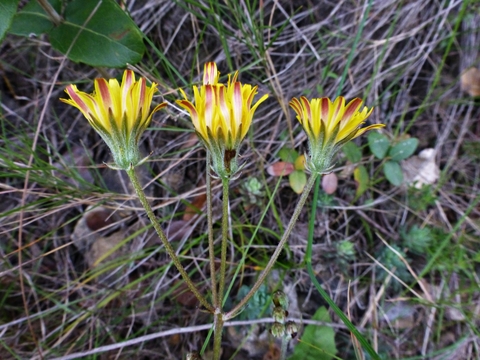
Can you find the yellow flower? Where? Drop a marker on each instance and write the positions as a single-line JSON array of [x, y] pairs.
[[329, 125], [119, 113], [222, 115]]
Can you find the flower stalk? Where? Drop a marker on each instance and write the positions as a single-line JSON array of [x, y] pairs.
[[223, 254], [296, 213], [211, 246], [170, 251]]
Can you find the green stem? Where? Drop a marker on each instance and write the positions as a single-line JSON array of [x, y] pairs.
[[171, 252], [283, 349], [223, 259], [301, 202], [211, 247], [217, 337], [311, 224], [219, 320]]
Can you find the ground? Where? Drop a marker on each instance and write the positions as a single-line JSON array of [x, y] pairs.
[[83, 274]]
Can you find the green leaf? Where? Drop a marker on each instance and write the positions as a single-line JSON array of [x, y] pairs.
[[366, 345], [362, 179], [352, 152], [257, 304], [288, 155], [318, 342], [393, 172], [378, 143], [32, 19], [297, 180], [102, 35], [403, 149], [8, 8]]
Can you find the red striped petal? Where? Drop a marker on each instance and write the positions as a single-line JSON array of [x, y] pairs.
[[189, 106], [210, 74], [104, 92], [209, 105], [306, 108], [71, 91], [352, 108], [324, 109]]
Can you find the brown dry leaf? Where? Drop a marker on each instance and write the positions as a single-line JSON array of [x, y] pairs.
[[89, 237], [273, 353], [329, 183], [470, 81], [177, 229], [105, 249], [87, 229], [280, 168], [99, 218], [191, 141], [421, 169], [197, 204], [175, 339], [184, 296]]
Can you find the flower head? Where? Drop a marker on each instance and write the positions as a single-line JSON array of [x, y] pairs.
[[329, 125], [119, 113], [222, 115]]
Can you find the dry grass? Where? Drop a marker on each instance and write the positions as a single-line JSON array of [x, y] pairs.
[[407, 64]]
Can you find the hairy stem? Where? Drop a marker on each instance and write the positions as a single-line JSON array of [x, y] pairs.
[[223, 259], [171, 252], [301, 202], [283, 349], [217, 339], [211, 247]]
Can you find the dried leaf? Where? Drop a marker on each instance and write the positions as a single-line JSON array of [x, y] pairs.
[[98, 218], [280, 168], [470, 81], [421, 169], [195, 207], [273, 353], [177, 229], [191, 141], [184, 296], [88, 228], [105, 249]]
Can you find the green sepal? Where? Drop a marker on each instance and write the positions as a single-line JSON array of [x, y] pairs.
[[219, 151], [321, 153]]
